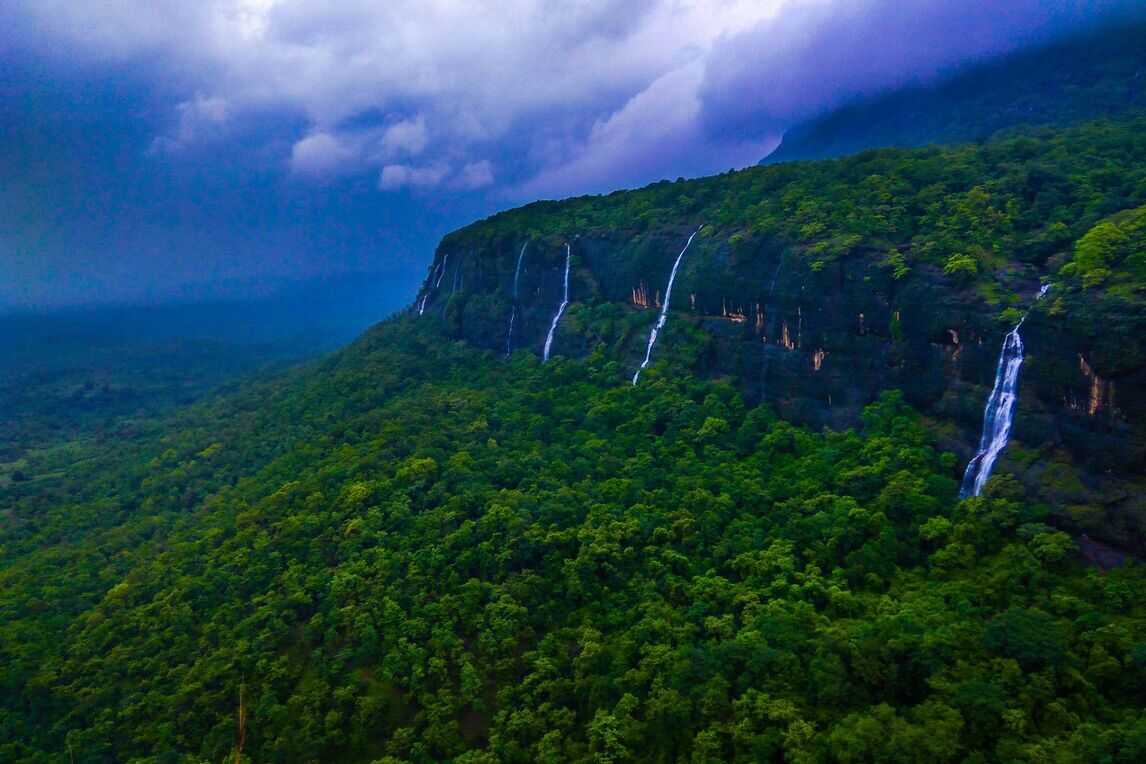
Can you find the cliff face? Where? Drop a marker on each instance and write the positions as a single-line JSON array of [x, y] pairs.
[[816, 315], [819, 344]]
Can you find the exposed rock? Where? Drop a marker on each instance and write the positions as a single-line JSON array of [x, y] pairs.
[[924, 335]]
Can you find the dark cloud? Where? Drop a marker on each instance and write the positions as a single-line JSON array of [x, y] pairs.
[[90, 212], [817, 56], [148, 146]]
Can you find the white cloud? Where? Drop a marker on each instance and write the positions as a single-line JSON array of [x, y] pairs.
[[203, 110], [475, 175], [653, 136], [321, 154], [815, 57], [197, 119], [406, 137], [398, 176]]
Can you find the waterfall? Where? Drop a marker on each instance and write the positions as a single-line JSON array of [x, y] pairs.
[[436, 278], [663, 317], [457, 273], [513, 310], [560, 308], [442, 272], [1000, 411]]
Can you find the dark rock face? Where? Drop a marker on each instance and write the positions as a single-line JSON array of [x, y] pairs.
[[818, 344]]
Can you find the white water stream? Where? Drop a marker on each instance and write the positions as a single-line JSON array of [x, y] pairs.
[[513, 311], [560, 309], [999, 414], [664, 309]]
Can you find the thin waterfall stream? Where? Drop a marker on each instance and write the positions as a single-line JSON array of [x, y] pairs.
[[445, 259], [560, 308], [436, 278], [513, 311], [663, 317], [999, 414]]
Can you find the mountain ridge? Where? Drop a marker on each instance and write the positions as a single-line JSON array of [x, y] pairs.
[[1099, 74]]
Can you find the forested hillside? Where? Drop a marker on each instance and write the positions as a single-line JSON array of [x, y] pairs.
[[1100, 74], [417, 551], [813, 286], [435, 546]]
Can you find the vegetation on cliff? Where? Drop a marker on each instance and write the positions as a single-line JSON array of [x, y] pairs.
[[977, 211], [815, 285], [1113, 254]]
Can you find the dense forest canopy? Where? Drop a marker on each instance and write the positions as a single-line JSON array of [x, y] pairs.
[[416, 551], [974, 210]]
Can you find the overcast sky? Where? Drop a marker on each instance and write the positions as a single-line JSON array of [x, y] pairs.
[[152, 149]]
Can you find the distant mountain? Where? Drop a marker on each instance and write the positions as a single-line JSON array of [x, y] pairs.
[[1096, 75], [86, 370]]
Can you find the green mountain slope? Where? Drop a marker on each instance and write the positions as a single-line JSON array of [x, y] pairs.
[[417, 551], [814, 286], [1097, 75], [420, 550]]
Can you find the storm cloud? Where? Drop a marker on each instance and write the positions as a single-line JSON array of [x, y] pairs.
[[817, 56], [239, 138]]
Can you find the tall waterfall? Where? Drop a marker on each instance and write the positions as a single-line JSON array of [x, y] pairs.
[[1000, 411], [445, 259], [664, 309], [560, 308], [513, 311], [436, 278], [457, 273]]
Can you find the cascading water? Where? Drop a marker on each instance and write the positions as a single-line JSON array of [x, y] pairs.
[[513, 311], [663, 317], [435, 277], [445, 259], [457, 273], [560, 309], [999, 414]]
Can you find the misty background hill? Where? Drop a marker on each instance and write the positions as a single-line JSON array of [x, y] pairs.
[[71, 372], [1099, 74]]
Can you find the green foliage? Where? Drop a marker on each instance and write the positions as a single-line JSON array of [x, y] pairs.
[[897, 263], [978, 213], [1112, 251], [414, 551], [961, 267], [1031, 637]]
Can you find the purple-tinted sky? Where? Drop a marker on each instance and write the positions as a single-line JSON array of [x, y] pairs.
[[153, 148]]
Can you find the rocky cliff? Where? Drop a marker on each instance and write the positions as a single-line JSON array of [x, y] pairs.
[[813, 287]]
